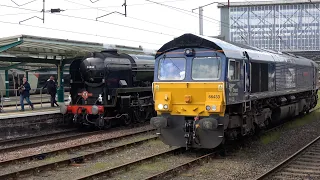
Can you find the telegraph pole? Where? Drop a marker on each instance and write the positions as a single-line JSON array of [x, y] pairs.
[[201, 15], [201, 20]]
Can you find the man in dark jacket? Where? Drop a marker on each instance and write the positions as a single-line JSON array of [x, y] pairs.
[[25, 94], [52, 90]]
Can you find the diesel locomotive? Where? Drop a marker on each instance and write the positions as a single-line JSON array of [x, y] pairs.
[[109, 87], [207, 91]]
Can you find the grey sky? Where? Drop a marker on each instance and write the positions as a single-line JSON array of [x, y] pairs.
[[99, 31]]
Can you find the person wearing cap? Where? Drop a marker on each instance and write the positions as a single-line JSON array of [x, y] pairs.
[[24, 90]]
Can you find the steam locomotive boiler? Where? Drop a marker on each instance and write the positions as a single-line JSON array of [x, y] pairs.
[[108, 87]]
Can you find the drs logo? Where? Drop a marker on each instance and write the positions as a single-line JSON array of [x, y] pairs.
[[214, 96]]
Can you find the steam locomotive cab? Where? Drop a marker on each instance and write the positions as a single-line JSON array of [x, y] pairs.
[[106, 86]]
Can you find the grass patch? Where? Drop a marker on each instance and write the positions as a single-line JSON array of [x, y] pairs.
[[301, 121], [270, 137], [295, 123], [99, 165]]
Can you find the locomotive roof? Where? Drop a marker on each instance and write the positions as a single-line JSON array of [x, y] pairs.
[[232, 50]]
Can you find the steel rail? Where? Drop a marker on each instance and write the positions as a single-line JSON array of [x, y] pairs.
[[34, 156], [70, 160], [126, 166], [184, 166], [288, 160], [26, 138]]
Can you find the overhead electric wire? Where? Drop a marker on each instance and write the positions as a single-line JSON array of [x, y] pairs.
[[15, 14], [188, 12], [115, 24], [192, 14], [75, 32], [127, 16], [139, 4], [24, 3]]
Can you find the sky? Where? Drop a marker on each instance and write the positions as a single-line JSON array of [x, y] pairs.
[[147, 24]]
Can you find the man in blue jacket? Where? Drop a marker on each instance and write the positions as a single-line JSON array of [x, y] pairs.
[[25, 94]]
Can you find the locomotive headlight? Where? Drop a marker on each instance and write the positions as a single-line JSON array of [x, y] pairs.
[[165, 106], [95, 109], [189, 52], [207, 107], [63, 109], [160, 106], [214, 107]]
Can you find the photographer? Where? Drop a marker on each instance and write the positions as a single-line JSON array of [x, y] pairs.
[[24, 94]]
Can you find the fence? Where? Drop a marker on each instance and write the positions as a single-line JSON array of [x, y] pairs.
[[39, 96]]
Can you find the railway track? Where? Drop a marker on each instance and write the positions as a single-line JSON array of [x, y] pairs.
[[39, 140], [303, 164], [28, 137], [22, 142], [73, 157]]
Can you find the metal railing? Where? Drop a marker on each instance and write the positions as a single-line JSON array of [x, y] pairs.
[[37, 96]]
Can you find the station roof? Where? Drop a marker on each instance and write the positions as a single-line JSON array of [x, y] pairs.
[[264, 3], [46, 52]]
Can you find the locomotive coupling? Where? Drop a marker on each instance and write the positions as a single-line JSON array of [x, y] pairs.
[[159, 122], [208, 123]]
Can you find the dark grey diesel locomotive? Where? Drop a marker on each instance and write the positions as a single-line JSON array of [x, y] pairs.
[[109, 87], [207, 90]]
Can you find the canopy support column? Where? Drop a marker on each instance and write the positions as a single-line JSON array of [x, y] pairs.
[[60, 90], [6, 77], [27, 75]]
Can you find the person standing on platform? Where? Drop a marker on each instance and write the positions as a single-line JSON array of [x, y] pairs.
[[52, 90], [25, 94]]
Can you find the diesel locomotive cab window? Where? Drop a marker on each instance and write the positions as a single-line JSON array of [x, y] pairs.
[[206, 68], [172, 68], [234, 70]]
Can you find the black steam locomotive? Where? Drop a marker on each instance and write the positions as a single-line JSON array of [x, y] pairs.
[[108, 87]]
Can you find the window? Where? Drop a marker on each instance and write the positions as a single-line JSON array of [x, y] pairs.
[[234, 70], [172, 69], [206, 68]]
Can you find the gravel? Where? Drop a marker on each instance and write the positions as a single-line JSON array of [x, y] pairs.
[[105, 162], [73, 154], [156, 166], [260, 155], [50, 147], [43, 137]]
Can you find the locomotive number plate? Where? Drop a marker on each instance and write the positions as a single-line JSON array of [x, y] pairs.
[[213, 96]]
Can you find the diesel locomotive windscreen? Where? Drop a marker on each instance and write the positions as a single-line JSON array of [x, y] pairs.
[[172, 68]]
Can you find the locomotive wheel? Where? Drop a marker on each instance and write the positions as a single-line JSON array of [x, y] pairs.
[[107, 124], [139, 116], [126, 120]]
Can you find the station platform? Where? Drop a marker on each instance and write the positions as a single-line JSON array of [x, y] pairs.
[[12, 112], [14, 123], [35, 99]]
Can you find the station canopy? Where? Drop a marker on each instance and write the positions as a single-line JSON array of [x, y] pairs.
[[30, 53]]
